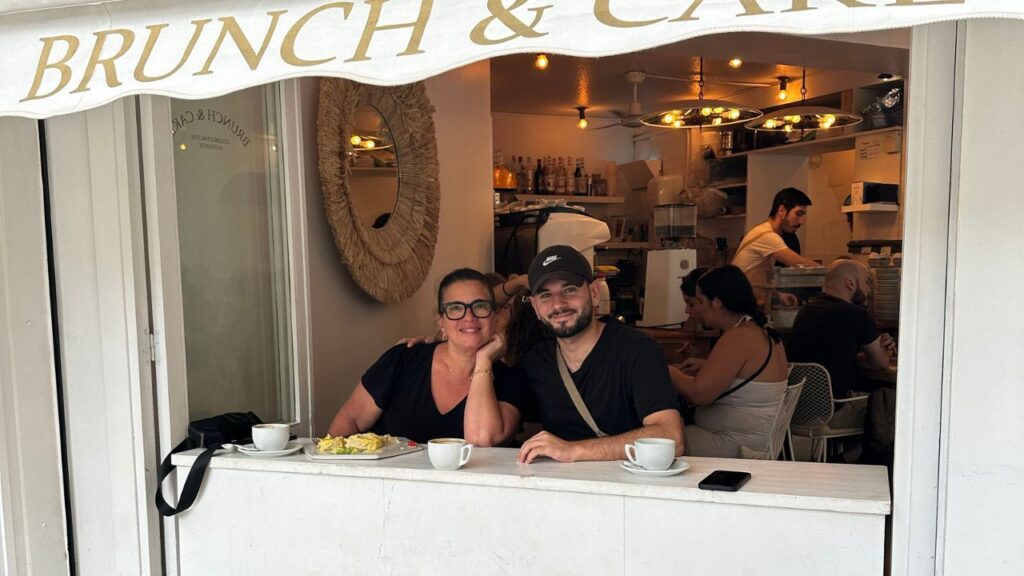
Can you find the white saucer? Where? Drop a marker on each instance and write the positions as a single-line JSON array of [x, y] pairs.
[[677, 467], [251, 450]]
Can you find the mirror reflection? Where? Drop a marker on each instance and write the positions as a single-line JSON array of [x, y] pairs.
[[373, 166]]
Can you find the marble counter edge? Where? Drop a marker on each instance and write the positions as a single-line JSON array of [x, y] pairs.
[[655, 488]]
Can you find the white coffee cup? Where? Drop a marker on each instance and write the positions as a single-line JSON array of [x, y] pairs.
[[652, 453], [268, 437], [449, 453]]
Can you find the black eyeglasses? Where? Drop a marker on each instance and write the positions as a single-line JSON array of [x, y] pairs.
[[457, 310]]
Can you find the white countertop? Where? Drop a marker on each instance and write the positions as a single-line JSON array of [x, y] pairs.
[[799, 485]]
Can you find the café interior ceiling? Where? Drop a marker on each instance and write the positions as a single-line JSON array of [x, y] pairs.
[[601, 84], [67, 56]]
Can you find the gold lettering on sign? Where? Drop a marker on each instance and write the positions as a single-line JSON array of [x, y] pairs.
[[800, 5], [924, 2], [517, 26], [603, 13], [60, 65], [750, 8], [147, 51], [373, 25], [252, 57], [288, 45], [127, 37]]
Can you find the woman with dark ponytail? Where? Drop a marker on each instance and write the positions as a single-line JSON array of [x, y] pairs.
[[738, 389]]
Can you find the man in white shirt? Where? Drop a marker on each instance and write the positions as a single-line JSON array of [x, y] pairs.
[[763, 245]]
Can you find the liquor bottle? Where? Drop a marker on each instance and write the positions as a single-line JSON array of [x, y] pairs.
[[549, 175], [521, 177], [570, 179], [560, 178], [581, 183], [529, 175], [538, 178]]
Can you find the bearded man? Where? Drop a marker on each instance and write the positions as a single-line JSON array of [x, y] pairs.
[[836, 330], [618, 374]]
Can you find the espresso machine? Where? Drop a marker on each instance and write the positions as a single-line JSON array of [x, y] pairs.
[[675, 229]]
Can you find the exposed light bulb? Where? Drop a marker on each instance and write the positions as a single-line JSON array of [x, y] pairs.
[[541, 63], [787, 128], [355, 140], [668, 118], [716, 120], [369, 144], [718, 110], [735, 63], [734, 114], [770, 124], [705, 111], [678, 124], [783, 82], [183, 146], [582, 123]]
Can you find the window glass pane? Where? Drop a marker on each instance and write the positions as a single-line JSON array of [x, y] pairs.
[[232, 229]]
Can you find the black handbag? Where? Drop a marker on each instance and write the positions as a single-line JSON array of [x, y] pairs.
[[208, 433]]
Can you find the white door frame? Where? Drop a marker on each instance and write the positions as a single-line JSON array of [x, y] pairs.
[[33, 526]]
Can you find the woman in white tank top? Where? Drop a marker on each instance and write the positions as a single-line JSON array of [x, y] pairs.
[[738, 389]]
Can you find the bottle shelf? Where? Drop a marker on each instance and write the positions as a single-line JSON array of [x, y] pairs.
[[573, 199]]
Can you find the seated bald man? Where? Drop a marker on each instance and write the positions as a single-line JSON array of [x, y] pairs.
[[836, 330]]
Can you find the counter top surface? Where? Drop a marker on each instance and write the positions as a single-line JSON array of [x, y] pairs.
[[799, 485]]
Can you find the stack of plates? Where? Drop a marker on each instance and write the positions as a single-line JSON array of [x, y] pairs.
[[885, 298]]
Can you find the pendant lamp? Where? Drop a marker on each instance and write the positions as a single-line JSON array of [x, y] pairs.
[[803, 118], [701, 113]]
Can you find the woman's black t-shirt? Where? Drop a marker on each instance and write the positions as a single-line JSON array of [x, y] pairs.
[[399, 383]]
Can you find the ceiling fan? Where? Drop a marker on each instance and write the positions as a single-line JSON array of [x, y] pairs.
[[631, 118]]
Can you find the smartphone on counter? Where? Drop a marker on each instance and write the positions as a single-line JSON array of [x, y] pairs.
[[725, 480]]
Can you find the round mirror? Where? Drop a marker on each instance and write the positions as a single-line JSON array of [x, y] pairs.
[[379, 174], [373, 167]]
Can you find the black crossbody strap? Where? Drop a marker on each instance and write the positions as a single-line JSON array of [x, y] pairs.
[[771, 345], [192, 481], [574, 394]]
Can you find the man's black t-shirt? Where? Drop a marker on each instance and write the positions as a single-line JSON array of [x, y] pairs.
[[831, 331], [623, 380], [399, 383]]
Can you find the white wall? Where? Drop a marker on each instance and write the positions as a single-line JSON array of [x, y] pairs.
[[534, 135], [349, 329], [984, 472]]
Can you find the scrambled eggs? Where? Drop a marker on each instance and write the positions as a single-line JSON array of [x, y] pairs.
[[355, 444]]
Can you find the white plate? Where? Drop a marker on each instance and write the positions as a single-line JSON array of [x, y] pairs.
[[398, 449], [678, 466], [252, 450]]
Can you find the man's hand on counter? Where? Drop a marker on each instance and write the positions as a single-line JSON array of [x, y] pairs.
[[546, 444]]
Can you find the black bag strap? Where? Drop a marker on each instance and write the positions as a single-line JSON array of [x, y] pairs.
[[771, 346], [192, 481]]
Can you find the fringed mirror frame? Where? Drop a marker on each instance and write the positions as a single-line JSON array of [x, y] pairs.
[[388, 263]]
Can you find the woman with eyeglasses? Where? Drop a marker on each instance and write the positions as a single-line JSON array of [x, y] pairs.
[[456, 387]]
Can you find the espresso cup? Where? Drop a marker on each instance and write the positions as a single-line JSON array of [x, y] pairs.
[[268, 437], [652, 453], [449, 453]]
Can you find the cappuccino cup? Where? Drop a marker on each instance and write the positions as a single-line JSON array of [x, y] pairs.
[[652, 453], [449, 453], [269, 437]]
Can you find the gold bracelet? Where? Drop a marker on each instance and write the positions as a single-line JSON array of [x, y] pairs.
[[484, 371]]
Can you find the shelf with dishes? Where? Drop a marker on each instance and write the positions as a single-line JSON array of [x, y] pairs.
[[872, 207], [818, 145]]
